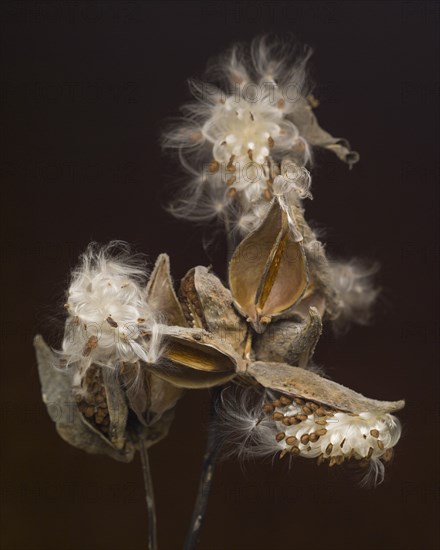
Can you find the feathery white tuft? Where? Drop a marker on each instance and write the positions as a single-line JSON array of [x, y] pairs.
[[107, 312], [353, 282], [234, 136]]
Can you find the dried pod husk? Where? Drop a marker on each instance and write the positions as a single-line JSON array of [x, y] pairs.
[[305, 120], [268, 270], [287, 341], [209, 305], [84, 432], [154, 396], [320, 292], [302, 383], [160, 293], [194, 358], [148, 396]]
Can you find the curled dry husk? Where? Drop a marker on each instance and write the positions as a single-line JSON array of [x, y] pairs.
[[305, 120]]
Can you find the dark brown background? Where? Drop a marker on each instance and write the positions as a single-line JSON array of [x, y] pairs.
[[86, 88]]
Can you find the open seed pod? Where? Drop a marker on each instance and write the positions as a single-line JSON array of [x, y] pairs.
[[308, 416], [160, 293], [95, 419], [209, 305], [268, 270], [308, 385], [194, 358]]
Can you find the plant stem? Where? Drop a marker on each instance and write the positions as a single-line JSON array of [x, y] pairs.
[[209, 462], [149, 497]]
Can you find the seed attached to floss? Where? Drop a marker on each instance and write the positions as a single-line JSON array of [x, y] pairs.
[[280, 436], [111, 322], [267, 194], [388, 455], [286, 421], [305, 439], [277, 416], [314, 437], [299, 401], [307, 410], [320, 412], [291, 440], [329, 449], [92, 343], [380, 444], [231, 181], [321, 431], [374, 433], [231, 167], [213, 166], [285, 400]]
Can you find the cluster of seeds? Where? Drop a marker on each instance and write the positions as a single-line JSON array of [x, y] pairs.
[[312, 430], [91, 400]]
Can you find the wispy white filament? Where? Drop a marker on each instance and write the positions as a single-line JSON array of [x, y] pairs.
[[234, 136], [107, 312], [356, 293]]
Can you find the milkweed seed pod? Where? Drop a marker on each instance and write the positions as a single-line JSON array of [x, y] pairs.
[[296, 412]]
